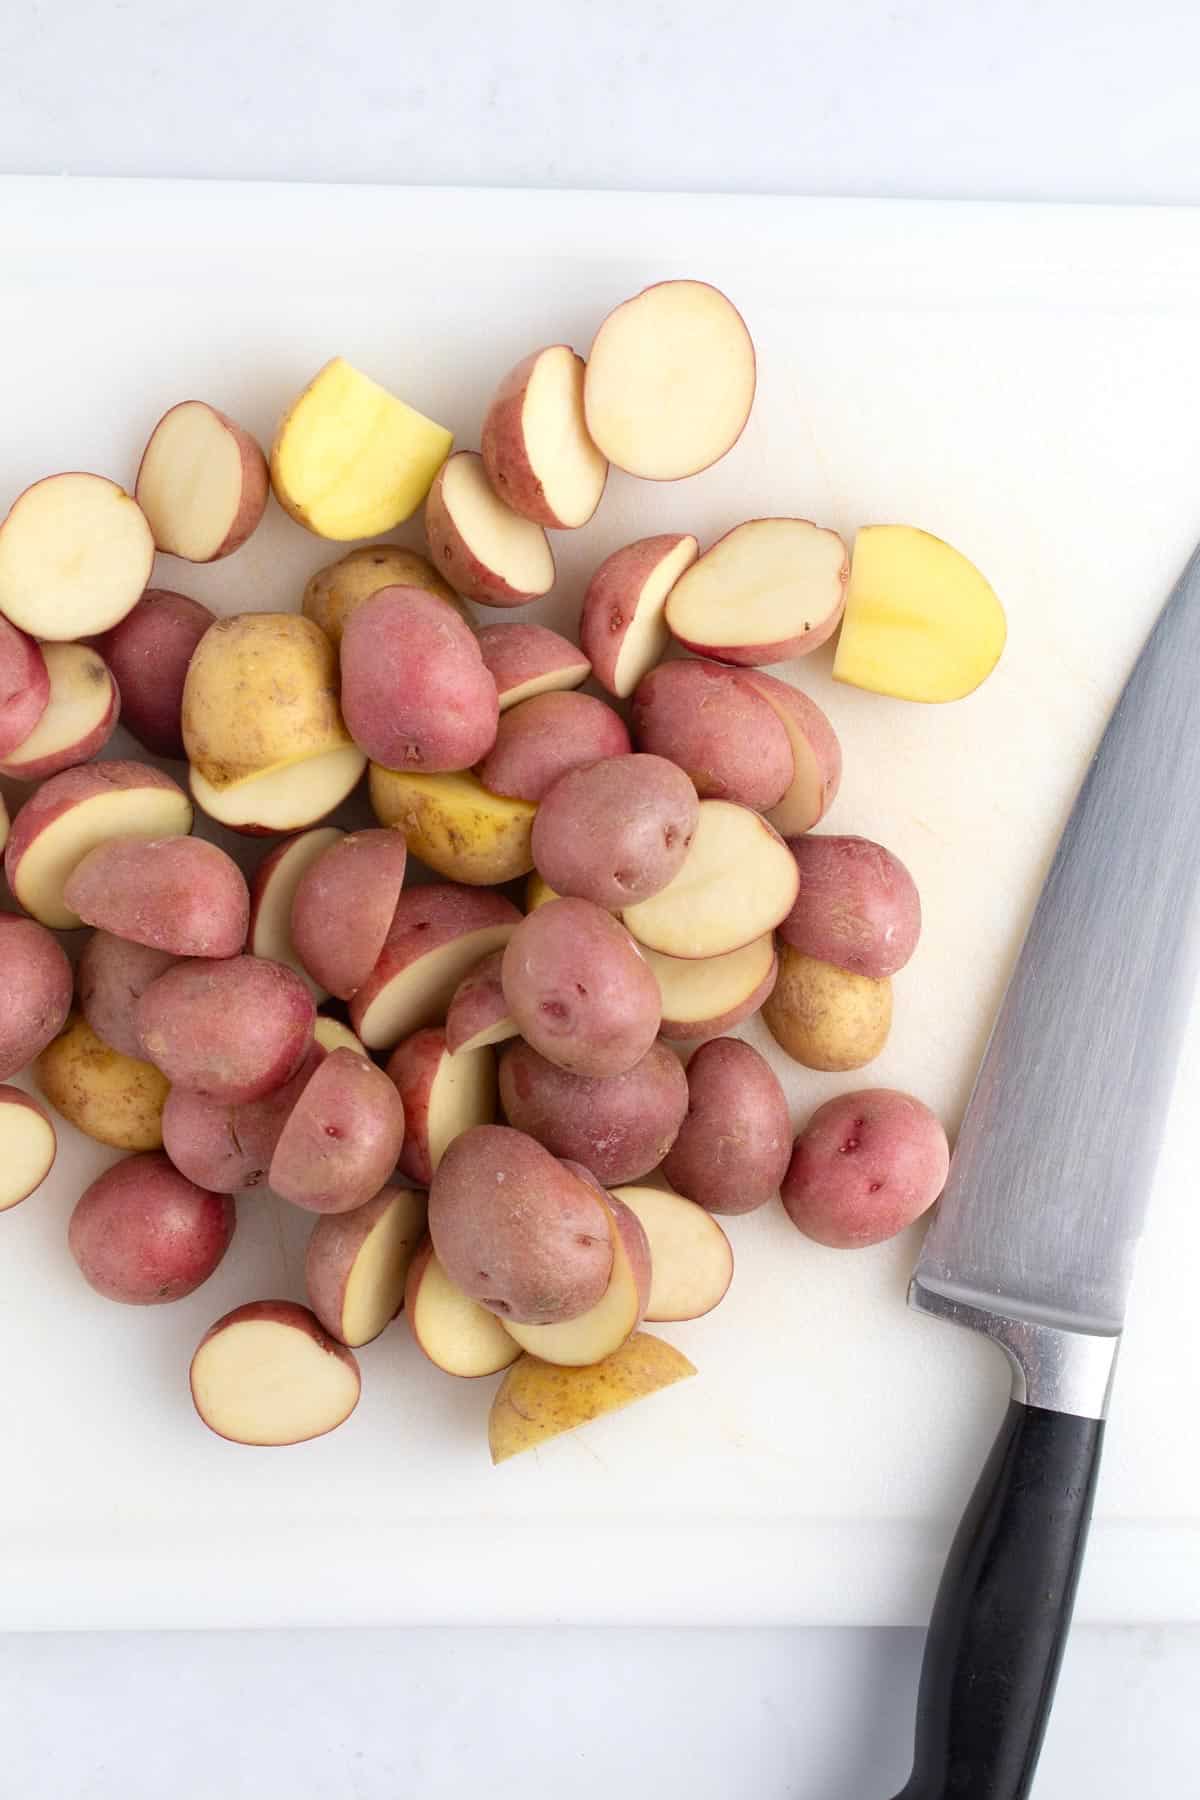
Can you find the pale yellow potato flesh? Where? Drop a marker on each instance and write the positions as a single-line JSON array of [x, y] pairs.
[[27, 1148], [82, 692], [75, 556], [738, 881], [455, 825], [284, 799], [190, 482], [645, 642], [263, 1382], [52, 857], [375, 1287], [705, 988], [463, 1095], [271, 932], [691, 1258], [498, 538], [420, 992], [571, 470], [765, 583], [538, 1401], [331, 1034], [454, 1331]]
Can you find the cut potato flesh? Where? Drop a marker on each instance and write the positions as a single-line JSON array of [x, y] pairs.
[[454, 1331], [769, 589], [52, 857], [27, 1146], [419, 993], [596, 1333], [646, 637], [284, 799], [700, 994], [562, 457], [921, 622], [4, 823], [514, 550], [274, 1378], [271, 923], [202, 484], [670, 381], [691, 1258], [455, 826], [463, 1095], [75, 556], [331, 1034], [350, 460], [739, 880], [816, 756], [537, 1401], [79, 718], [375, 1285], [538, 892]]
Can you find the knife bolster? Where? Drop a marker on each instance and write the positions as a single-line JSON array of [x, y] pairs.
[[1055, 1369]]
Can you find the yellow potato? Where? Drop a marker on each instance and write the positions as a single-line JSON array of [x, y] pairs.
[[113, 1098], [261, 692], [333, 592], [537, 1400], [350, 460], [538, 893], [921, 623], [455, 826], [826, 1017]]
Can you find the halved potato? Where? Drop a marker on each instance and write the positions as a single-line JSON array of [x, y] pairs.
[[289, 798], [703, 997], [268, 1374], [595, 1334], [271, 894], [767, 590], [484, 549], [455, 826], [536, 448], [79, 717], [357, 1263], [75, 556], [537, 1400], [738, 880], [454, 1331], [622, 627], [202, 484], [691, 1259], [28, 1144]]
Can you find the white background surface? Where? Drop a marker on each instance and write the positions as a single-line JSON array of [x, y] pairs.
[[1063, 100]]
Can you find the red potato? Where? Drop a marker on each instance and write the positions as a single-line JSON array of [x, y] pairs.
[[858, 906], [704, 997], [342, 1138], [579, 990], [484, 549], [148, 653], [35, 992], [516, 1231], [231, 1030], [622, 628], [737, 882], [24, 686], [670, 381], [28, 1145], [443, 1095], [725, 735], [229, 1148], [343, 905], [144, 1234], [540, 740], [524, 660], [415, 692], [691, 1259], [75, 556], [619, 1126], [332, 594], [478, 1013], [74, 812], [580, 1342], [438, 932], [203, 483], [357, 1263], [733, 1147], [816, 754], [536, 449], [112, 976], [267, 1374], [79, 718], [453, 1331], [272, 891], [177, 894], [864, 1167], [615, 831], [767, 590]]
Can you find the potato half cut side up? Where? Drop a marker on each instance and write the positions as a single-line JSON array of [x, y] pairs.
[[737, 882], [484, 549], [767, 590], [269, 1374], [75, 556], [27, 1146]]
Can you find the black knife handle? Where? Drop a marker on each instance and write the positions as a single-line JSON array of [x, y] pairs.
[[1000, 1619]]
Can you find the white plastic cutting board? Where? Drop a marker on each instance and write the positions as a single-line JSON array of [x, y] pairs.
[[1022, 381]]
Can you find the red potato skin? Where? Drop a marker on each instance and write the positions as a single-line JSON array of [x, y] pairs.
[[58, 795], [426, 918], [799, 643], [256, 484], [336, 1241], [822, 740], [615, 831], [610, 601], [416, 694], [179, 894], [864, 1167], [690, 1031], [111, 977], [41, 768], [232, 1030], [342, 1139], [14, 1096], [298, 1318], [478, 1005], [733, 1147], [702, 716], [229, 1148], [412, 1069], [619, 1127], [148, 653], [343, 906], [24, 686], [453, 558], [505, 458], [144, 1234], [543, 738], [35, 991], [516, 652], [858, 906], [516, 1231], [603, 1028]]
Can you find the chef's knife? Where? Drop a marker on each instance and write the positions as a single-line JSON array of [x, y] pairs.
[[1033, 1243]]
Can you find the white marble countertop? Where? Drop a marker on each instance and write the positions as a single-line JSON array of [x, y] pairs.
[[1079, 100]]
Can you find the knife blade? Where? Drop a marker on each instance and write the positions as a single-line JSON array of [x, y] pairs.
[[1034, 1239]]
